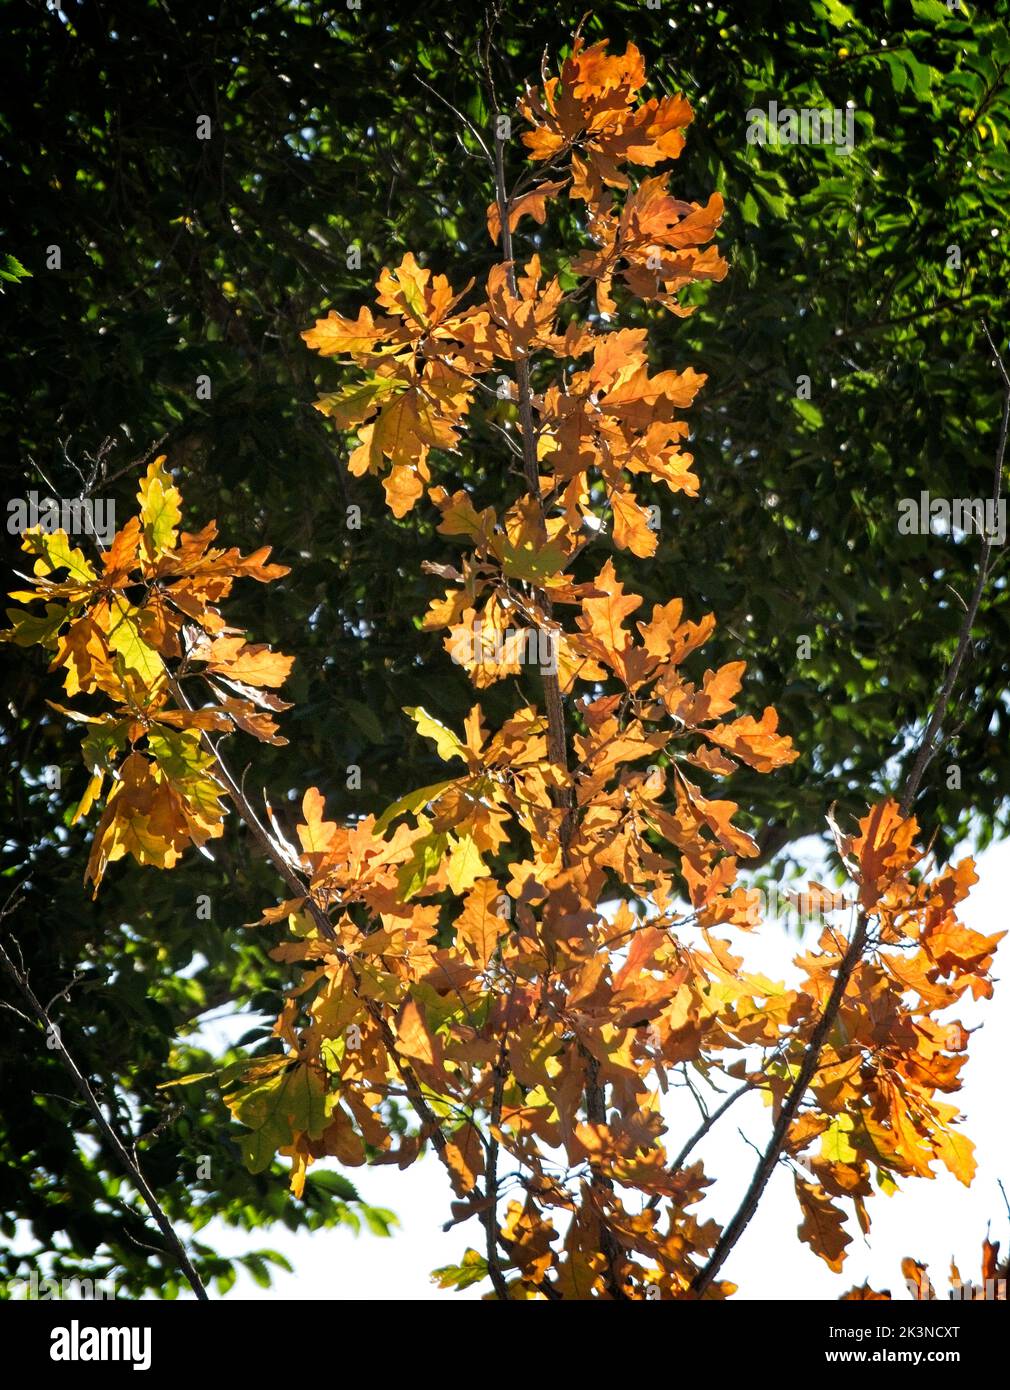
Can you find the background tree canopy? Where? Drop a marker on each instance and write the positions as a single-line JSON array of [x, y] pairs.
[[332, 130]]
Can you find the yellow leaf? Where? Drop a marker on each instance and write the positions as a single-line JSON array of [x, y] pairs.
[[138, 656], [956, 1151], [836, 1146], [160, 509], [91, 793], [238, 660], [448, 745], [55, 553], [316, 834], [478, 926], [465, 864]]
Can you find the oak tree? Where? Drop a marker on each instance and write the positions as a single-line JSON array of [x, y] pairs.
[[528, 952]]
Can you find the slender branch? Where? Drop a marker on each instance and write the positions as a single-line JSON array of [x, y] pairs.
[[557, 743], [297, 885], [557, 746], [246, 813], [131, 1166], [596, 1114], [464, 120], [490, 1215], [927, 747], [797, 1091], [677, 1163], [853, 954]]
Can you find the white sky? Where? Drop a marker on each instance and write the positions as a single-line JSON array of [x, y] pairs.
[[930, 1220]]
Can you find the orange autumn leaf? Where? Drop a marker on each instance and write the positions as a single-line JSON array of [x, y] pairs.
[[413, 1037], [237, 660], [480, 924], [466, 1158], [316, 834], [755, 742], [336, 336], [883, 848], [917, 1280], [532, 204], [631, 525], [822, 1227]]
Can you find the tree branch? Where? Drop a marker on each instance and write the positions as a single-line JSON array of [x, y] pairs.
[[677, 1163], [490, 1215], [557, 745], [297, 885], [927, 747], [131, 1166], [853, 954]]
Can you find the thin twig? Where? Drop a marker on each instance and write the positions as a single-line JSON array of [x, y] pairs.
[[54, 1039], [927, 747], [490, 1214], [296, 884], [556, 742], [677, 1163]]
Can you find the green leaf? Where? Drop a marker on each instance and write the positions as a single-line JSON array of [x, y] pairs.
[[379, 1220], [809, 412], [921, 75], [448, 745], [276, 1109], [138, 656], [836, 13], [931, 10], [29, 629], [102, 742], [365, 718], [426, 855], [12, 270], [898, 71], [305, 1099], [256, 1265], [335, 1184], [413, 801], [471, 1271]]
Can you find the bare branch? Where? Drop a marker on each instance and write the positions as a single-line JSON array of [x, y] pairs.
[[128, 1161]]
